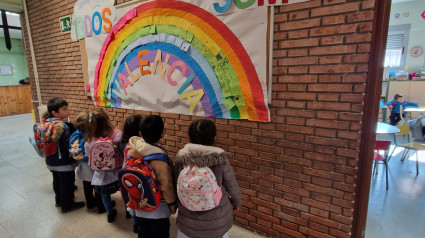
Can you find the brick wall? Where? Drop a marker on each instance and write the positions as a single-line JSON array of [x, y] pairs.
[[296, 173]]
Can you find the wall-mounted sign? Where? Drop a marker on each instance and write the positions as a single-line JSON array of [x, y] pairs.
[[416, 51], [65, 24], [5, 70]]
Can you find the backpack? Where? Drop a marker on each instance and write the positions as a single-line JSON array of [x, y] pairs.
[[126, 149], [104, 154], [140, 188], [197, 188], [417, 128], [76, 146], [42, 141]]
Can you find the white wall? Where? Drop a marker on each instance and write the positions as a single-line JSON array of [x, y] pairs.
[[410, 13]]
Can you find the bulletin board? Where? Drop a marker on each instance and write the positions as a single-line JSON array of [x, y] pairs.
[[5, 70], [186, 57]]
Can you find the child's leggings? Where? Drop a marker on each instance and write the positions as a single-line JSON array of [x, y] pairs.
[[107, 202]]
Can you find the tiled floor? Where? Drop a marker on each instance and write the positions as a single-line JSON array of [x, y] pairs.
[[27, 200], [27, 205], [400, 210]]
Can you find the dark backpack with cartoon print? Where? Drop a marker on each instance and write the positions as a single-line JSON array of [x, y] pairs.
[[76, 146], [140, 188]]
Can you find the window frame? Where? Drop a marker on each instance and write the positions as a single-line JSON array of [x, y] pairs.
[[404, 30]]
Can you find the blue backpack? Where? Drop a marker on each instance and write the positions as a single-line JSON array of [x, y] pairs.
[[76, 146]]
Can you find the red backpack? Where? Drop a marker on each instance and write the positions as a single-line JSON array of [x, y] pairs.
[[42, 142], [140, 188]]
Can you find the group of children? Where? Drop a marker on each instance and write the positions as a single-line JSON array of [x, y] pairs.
[[139, 139]]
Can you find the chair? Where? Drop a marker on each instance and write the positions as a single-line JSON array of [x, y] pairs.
[[381, 145], [405, 130], [382, 105]]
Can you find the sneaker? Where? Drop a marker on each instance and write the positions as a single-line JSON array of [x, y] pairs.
[[102, 209], [112, 216], [136, 229], [91, 205], [75, 206]]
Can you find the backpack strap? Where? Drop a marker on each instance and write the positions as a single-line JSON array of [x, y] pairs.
[[65, 127], [157, 156], [162, 148]]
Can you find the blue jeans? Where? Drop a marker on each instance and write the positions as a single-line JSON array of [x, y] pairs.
[[135, 221], [107, 202]]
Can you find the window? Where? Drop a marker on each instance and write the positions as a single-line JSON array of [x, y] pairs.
[[10, 26], [396, 50]]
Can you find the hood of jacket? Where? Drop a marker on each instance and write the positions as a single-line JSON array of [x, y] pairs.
[[139, 148], [201, 155]]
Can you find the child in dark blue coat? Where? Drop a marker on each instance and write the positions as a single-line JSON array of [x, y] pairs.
[[61, 164]]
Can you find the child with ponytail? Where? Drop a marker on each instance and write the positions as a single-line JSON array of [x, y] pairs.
[[84, 172], [105, 181]]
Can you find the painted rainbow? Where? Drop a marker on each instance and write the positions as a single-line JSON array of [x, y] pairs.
[[216, 62]]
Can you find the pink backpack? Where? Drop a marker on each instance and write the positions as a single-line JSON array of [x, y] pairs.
[[126, 149], [197, 189], [104, 155]]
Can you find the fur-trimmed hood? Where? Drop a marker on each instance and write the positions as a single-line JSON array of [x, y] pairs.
[[215, 222], [201, 155], [139, 148], [58, 131]]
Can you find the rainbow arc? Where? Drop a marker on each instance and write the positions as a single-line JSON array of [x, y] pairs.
[[216, 64]]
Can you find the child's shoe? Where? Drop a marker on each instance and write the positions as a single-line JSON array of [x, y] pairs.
[[111, 217], [102, 208], [136, 229], [91, 205], [75, 206]]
